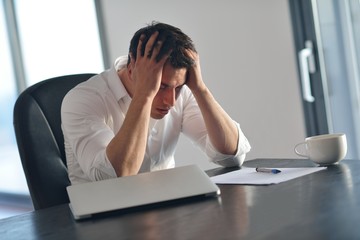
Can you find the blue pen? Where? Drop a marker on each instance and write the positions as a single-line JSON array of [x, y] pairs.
[[268, 170]]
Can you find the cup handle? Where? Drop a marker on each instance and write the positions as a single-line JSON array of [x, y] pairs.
[[297, 152]]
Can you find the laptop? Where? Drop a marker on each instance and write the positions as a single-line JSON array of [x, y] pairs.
[[91, 198]]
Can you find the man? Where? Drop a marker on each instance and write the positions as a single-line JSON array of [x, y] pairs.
[[128, 119]]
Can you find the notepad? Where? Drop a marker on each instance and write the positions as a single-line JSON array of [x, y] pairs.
[[250, 176]]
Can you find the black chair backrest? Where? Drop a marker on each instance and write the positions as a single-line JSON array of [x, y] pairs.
[[37, 124]]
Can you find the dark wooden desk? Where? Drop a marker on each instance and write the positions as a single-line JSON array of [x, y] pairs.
[[323, 205]]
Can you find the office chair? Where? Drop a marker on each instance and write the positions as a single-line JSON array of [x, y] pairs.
[[37, 124]]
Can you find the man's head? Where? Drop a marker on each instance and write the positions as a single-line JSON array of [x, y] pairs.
[[173, 39], [175, 47]]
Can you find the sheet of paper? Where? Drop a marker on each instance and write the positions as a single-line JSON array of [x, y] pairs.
[[250, 176]]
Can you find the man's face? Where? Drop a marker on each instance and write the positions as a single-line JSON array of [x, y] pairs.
[[171, 83]]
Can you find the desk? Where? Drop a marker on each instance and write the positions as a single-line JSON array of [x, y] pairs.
[[323, 205]]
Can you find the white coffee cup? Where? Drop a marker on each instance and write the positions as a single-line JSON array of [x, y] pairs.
[[324, 149]]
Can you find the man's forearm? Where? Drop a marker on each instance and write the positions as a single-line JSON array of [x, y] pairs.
[[222, 131], [127, 149]]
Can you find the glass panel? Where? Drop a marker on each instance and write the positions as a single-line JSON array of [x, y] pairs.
[[11, 175], [58, 38], [354, 6], [339, 28]]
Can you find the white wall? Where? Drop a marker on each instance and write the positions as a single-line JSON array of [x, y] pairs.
[[247, 58]]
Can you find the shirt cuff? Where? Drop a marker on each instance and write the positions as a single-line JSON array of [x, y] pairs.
[[237, 159], [102, 168]]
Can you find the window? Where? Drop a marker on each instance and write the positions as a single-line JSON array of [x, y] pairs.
[[57, 37], [329, 32], [9, 158]]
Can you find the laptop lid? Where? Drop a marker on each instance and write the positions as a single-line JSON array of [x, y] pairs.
[[142, 189]]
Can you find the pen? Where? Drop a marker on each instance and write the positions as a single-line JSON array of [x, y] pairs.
[[268, 170]]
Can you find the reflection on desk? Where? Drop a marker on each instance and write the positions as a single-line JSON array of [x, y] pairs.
[[322, 205]]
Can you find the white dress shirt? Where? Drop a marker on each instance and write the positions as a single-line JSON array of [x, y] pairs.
[[94, 111]]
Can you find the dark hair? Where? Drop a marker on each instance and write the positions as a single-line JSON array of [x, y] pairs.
[[173, 39]]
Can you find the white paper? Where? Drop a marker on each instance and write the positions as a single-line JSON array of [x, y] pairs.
[[251, 177]]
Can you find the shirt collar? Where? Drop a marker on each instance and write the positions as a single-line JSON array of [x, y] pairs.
[[115, 84]]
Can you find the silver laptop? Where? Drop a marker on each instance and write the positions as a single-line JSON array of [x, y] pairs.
[[138, 190]]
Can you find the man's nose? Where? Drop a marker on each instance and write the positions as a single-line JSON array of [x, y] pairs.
[[170, 97]]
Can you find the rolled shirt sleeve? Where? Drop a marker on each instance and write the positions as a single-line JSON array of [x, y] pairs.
[[224, 160], [88, 128]]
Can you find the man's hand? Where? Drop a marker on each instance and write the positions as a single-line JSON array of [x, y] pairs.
[[194, 81], [146, 70]]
